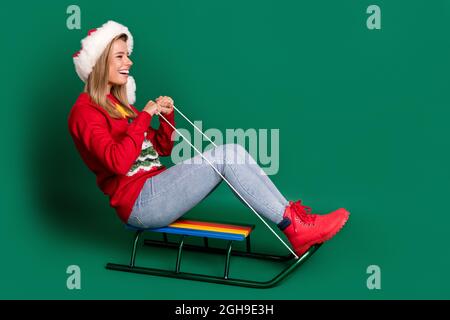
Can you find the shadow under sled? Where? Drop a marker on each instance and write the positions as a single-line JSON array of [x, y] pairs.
[[207, 230]]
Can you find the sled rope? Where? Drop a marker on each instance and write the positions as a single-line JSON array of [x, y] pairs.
[[223, 178]]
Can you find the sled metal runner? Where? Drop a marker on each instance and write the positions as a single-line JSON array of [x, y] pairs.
[[207, 230]]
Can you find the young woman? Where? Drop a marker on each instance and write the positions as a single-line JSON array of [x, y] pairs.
[[117, 143]]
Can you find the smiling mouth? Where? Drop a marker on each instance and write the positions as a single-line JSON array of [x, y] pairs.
[[124, 72]]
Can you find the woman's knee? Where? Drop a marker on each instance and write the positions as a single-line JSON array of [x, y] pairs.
[[236, 154]]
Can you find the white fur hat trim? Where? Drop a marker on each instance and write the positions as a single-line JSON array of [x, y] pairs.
[[93, 46]]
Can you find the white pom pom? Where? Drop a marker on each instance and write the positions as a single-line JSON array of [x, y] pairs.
[[131, 90]]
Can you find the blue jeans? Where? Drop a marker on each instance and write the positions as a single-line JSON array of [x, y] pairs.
[[167, 196]]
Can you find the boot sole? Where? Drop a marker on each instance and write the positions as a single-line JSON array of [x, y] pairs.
[[301, 250]]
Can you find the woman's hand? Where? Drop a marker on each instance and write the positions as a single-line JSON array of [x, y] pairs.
[[152, 108], [166, 104]]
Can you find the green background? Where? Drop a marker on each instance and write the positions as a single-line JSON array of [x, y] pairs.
[[363, 118]]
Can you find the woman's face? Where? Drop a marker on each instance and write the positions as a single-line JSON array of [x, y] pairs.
[[119, 63]]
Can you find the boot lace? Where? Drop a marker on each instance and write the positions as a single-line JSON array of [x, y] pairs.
[[303, 212]]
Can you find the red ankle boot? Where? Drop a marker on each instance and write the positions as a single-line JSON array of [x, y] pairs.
[[306, 229]]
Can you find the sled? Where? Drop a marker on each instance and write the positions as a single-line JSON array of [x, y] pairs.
[[229, 232]]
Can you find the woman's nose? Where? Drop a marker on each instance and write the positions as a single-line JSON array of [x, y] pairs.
[[129, 62]]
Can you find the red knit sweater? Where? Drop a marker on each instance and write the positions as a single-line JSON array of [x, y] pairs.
[[114, 149]]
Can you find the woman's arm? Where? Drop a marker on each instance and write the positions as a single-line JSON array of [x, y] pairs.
[[90, 128], [162, 138]]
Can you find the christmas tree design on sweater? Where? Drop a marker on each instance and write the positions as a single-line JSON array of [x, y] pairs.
[[147, 160]]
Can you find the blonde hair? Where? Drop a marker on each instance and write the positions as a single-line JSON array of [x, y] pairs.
[[97, 85]]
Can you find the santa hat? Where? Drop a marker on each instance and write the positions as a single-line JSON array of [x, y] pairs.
[[93, 46]]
